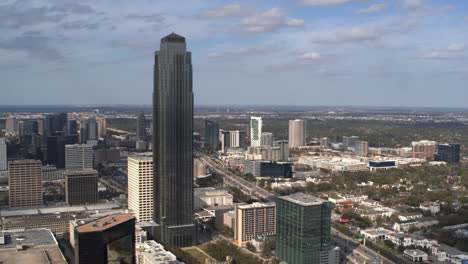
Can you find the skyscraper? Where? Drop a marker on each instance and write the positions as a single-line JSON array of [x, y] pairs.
[[25, 181], [297, 133], [284, 148], [266, 139], [254, 220], [447, 152], [140, 186], [141, 125], [303, 229], [361, 148], [255, 131], [173, 143], [348, 142], [101, 126], [72, 127], [423, 149], [78, 157], [81, 187], [92, 129], [211, 134], [11, 125], [3, 155]]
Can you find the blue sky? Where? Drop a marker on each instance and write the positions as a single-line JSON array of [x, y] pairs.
[[285, 52]]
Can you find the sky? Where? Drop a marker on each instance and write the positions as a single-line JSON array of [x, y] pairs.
[[263, 52]]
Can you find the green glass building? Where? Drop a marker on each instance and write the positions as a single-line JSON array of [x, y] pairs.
[[303, 229]]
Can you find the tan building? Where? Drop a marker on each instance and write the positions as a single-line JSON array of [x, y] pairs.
[[424, 149], [297, 133], [25, 181], [102, 126], [254, 220], [361, 148], [140, 186], [264, 153]]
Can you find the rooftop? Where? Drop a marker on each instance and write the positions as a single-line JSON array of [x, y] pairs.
[[302, 199], [104, 223], [415, 252], [173, 37], [56, 210], [256, 205], [36, 237]]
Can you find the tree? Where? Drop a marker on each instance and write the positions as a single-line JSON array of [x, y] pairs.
[[227, 231], [267, 247], [250, 247]]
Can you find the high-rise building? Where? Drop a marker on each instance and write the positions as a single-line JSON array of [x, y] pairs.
[[29, 127], [303, 229], [81, 187], [225, 139], [236, 139], [361, 148], [25, 182], [59, 122], [255, 131], [284, 148], [254, 220], [173, 143], [3, 155], [348, 142], [12, 125], [101, 126], [297, 133], [92, 129], [266, 139], [78, 157], [110, 239], [141, 125], [211, 134], [72, 127], [423, 149], [446, 152], [324, 142], [140, 186]]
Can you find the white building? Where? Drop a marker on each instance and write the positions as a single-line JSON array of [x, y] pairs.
[[140, 186], [78, 156], [151, 252], [206, 197], [415, 255], [297, 133], [432, 207], [255, 131], [3, 155]]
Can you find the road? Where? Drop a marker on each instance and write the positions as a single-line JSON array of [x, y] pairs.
[[234, 180]]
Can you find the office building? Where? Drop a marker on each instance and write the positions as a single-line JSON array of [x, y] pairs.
[[92, 129], [101, 126], [349, 142], [58, 122], [25, 182], [423, 149], [254, 220], [209, 196], [268, 169], [140, 186], [236, 139], [28, 128], [173, 143], [78, 157], [297, 133], [151, 252], [141, 125], [3, 155], [324, 142], [266, 153], [110, 239], [449, 153], [284, 148], [361, 148], [12, 125], [255, 131], [211, 134], [72, 127], [303, 229], [81, 187], [266, 139]]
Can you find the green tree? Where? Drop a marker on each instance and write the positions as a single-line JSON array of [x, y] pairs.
[[250, 247]]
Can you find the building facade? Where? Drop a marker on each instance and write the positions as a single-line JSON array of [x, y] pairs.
[[101, 126], [140, 186], [361, 148], [303, 229], [211, 134], [173, 143], [284, 148], [141, 125], [3, 155], [81, 187], [78, 157], [266, 139], [297, 133], [449, 153], [254, 220], [255, 131], [25, 181], [423, 149]]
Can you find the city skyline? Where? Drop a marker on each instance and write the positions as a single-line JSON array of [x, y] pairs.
[[383, 53]]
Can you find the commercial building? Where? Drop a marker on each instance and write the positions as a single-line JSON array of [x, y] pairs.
[[173, 143], [101, 126], [297, 133], [236, 139], [268, 169], [110, 239], [284, 148], [449, 153], [415, 223], [3, 155], [303, 230], [151, 252], [209, 196], [415, 255], [324, 142], [255, 131], [423, 149], [348, 142], [211, 134], [381, 165], [25, 181], [266, 139], [81, 187], [140, 186], [361, 148], [92, 129], [254, 220], [36, 246], [72, 127], [141, 125], [78, 156], [266, 153]]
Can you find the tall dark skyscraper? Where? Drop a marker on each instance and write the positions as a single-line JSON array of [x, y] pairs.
[[173, 143], [141, 125], [211, 134], [448, 152]]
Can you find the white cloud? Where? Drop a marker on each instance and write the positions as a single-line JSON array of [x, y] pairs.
[[326, 2], [450, 52], [225, 11], [413, 4], [310, 56], [255, 50], [355, 34], [373, 9], [268, 21]]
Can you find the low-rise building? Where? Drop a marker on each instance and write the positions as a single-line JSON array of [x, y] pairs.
[[415, 255], [209, 196], [432, 207], [376, 234], [416, 223], [151, 252]]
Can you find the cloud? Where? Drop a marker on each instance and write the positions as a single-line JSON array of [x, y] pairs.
[[450, 52], [268, 21], [35, 44], [73, 8], [308, 56], [225, 11], [13, 17], [373, 9], [413, 4], [355, 34], [147, 18], [136, 45], [81, 24], [256, 50], [326, 2]]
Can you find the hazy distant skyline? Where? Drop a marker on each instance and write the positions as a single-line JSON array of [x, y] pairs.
[[290, 52]]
